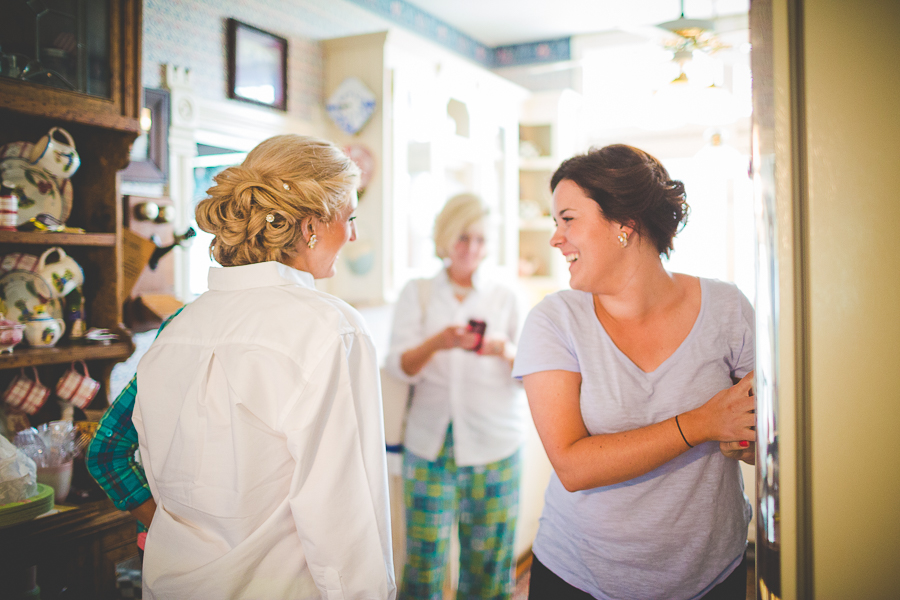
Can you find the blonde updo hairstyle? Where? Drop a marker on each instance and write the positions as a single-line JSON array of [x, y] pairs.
[[459, 213], [290, 177]]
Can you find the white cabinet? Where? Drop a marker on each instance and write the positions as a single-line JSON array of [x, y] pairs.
[[548, 134], [442, 126]]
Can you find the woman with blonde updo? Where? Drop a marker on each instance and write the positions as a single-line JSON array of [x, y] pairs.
[[259, 408]]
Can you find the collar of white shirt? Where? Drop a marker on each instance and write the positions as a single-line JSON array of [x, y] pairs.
[[262, 274], [479, 278]]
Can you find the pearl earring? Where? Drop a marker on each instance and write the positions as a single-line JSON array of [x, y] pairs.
[[623, 238], [312, 241]]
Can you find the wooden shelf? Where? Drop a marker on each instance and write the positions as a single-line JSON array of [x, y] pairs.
[[23, 356], [26, 98], [45, 238]]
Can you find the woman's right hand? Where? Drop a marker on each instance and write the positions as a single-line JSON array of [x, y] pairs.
[[729, 416], [455, 336]]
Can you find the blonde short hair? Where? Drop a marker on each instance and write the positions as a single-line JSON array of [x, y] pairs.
[[290, 177], [459, 213]]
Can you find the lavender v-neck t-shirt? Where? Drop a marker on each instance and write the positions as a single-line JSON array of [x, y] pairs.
[[679, 530]]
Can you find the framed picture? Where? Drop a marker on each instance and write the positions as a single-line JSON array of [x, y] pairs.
[[257, 66], [150, 151]]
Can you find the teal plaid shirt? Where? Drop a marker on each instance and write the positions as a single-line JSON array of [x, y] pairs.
[[110, 456]]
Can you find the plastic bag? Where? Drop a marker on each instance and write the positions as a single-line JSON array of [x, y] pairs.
[[18, 474]]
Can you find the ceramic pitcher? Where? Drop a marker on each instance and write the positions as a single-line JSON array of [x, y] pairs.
[[64, 275], [42, 330]]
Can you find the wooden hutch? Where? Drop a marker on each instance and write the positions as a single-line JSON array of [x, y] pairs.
[[74, 553]]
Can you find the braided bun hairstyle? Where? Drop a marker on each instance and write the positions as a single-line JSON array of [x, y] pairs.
[[632, 188], [255, 209]]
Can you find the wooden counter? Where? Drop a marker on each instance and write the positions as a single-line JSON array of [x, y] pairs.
[[75, 551]]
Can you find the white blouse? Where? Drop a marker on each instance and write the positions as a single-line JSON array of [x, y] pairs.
[[259, 418], [476, 393]]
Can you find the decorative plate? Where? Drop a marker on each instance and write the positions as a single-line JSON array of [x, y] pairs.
[[38, 191], [365, 160], [21, 291], [351, 105]]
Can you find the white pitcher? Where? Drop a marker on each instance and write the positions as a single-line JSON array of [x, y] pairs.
[[64, 275], [42, 330]]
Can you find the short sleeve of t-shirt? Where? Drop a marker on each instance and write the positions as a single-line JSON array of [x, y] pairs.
[[745, 359], [546, 342]]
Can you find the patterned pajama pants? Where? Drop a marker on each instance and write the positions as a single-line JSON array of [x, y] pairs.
[[485, 500]]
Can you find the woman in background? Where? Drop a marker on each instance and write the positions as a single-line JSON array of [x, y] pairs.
[[629, 376], [466, 420], [258, 407]]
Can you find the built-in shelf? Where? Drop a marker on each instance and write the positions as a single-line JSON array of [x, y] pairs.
[[23, 356], [46, 238]]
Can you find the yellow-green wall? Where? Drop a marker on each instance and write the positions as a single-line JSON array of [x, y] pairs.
[[849, 138]]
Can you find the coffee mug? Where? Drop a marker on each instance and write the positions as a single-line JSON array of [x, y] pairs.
[[64, 275], [18, 261], [26, 394], [77, 388], [9, 212], [56, 157]]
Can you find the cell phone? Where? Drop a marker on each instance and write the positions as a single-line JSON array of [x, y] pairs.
[[477, 327]]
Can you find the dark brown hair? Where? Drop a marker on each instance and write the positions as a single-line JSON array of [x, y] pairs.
[[632, 188]]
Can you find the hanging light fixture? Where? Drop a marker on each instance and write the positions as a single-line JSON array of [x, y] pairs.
[[682, 100]]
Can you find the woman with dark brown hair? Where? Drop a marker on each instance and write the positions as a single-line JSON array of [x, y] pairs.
[[630, 378]]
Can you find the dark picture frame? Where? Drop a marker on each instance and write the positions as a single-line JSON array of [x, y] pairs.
[[257, 66], [150, 151]]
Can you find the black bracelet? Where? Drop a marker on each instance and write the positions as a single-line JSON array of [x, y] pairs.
[[682, 433]]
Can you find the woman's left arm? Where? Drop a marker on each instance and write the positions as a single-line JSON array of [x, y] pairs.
[[583, 461], [110, 458]]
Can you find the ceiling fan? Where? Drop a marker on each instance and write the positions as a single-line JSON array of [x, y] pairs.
[[690, 35]]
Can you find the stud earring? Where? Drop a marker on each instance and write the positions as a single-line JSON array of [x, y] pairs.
[[623, 238], [312, 241]]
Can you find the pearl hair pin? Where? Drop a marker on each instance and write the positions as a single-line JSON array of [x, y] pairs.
[[286, 186], [270, 217]]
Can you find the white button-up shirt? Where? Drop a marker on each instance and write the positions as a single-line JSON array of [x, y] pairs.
[[477, 393], [259, 417]]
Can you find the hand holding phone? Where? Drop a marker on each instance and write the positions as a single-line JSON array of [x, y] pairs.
[[477, 327]]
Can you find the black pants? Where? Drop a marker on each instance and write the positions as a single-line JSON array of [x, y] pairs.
[[546, 585]]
